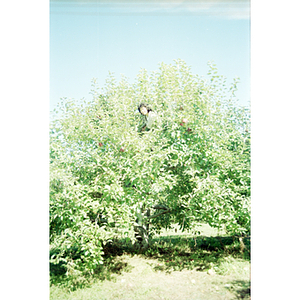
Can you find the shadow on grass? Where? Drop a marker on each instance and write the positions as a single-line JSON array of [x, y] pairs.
[[174, 253], [178, 253], [241, 289]]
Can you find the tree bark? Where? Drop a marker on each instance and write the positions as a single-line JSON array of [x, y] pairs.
[[142, 225]]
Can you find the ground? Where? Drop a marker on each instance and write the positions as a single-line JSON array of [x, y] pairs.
[[138, 277]]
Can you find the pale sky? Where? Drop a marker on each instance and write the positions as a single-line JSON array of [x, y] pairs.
[[89, 39]]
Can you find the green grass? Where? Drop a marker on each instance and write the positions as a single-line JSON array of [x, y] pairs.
[[176, 266]]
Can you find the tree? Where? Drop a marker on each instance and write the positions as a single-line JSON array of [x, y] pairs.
[[108, 179]]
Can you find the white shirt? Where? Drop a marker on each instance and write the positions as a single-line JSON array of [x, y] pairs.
[[150, 118]]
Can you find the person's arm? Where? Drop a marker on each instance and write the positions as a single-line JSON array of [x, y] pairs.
[[144, 124]]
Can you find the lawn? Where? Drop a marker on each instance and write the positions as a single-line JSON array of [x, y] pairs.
[[206, 265]]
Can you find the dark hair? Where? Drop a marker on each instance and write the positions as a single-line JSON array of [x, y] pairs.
[[144, 105]]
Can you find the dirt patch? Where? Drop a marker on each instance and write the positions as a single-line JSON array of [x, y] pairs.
[[143, 282]]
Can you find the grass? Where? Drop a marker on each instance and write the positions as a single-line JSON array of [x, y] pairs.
[[176, 266]]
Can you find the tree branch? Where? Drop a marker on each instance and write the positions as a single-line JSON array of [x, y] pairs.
[[163, 208]]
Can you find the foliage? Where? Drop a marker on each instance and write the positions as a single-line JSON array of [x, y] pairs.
[[108, 178]]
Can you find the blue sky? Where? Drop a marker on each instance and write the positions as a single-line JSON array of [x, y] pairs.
[[90, 38]]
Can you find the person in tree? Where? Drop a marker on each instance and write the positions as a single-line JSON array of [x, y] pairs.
[[148, 116]]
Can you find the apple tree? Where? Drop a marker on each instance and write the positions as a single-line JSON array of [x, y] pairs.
[[109, 180]]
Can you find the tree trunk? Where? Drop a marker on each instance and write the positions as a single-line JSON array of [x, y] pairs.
[[142, 230], [141, 227]]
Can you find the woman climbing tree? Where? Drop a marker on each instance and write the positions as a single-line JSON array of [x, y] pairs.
[[149, 117]]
